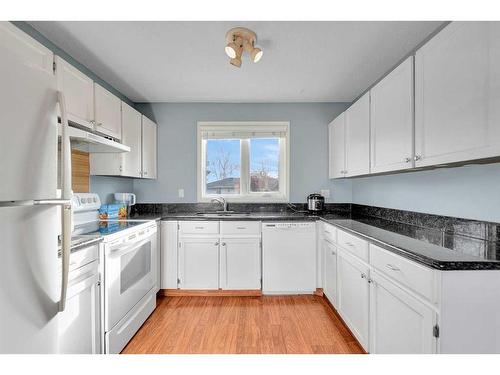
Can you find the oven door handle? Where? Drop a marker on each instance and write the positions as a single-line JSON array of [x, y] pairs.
[[120, 251]]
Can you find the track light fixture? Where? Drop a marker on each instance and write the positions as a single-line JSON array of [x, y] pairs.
[[241, 39]]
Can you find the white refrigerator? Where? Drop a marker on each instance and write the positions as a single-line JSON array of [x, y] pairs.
[[33, 279]]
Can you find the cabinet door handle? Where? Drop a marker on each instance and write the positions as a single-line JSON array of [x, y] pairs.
[[363, 276], [223, 244], [216, 244], [392, 268], [407, 160], [241, 227], [417, 157], [349, 244], [199, 227], [333, 253]]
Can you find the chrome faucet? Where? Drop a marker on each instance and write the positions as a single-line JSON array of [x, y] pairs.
[[222, 201]]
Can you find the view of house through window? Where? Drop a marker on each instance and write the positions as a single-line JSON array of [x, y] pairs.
[[223, 169], [243, 162], [264, 164]]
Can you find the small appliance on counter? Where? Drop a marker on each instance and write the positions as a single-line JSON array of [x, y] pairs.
[[315, 203], [126, 199]]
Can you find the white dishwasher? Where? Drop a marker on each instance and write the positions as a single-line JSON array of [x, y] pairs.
[[288, 257]]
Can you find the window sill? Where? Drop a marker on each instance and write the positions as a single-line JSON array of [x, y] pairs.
[[247, 199]]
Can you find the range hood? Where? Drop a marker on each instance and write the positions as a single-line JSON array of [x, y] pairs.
[[93, 143]]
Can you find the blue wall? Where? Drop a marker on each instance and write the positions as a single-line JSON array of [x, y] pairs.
[[471, 192], [177, 146], [106, 186]]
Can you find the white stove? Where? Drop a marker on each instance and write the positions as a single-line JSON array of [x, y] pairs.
[[129, 255]]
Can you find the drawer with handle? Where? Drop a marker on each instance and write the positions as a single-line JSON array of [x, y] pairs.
[[83, 256], [353, 244], [408, 273], [330, 233], [240, 227], [199, 227]]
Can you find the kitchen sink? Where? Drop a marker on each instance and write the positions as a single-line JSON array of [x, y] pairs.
[[223, 214]]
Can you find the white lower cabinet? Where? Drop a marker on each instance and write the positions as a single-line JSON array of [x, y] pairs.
[[212, 255], [399, 322], [169, 254], [80, 322], [198, 263], [240, 263], [353, 295], [330, 271]]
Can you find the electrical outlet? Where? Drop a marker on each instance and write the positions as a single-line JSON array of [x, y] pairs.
[[181, 193], [325, 193]]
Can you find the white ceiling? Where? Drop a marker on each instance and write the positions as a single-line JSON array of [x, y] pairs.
[[185, 61]]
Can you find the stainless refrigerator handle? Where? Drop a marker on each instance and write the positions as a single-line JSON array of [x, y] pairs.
[[65, 252], [66, 216], [39, 202], [65, 149], [61, 202]]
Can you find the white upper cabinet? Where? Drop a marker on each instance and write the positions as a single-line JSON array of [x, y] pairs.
[[107, 112], [391, 116], [457, 94], [149, 131], [357, 137], [78, 90], [127, 163], [131, 136], [336, 147], [25, 47]]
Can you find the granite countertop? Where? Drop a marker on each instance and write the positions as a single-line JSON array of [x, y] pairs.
[[426, 246], [145, 217], [256, 216], [434, 248]]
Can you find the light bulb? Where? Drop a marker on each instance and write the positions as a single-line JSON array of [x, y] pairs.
[[256, 54], [231, 50]]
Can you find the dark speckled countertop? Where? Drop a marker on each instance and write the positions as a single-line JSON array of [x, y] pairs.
[[256, 216], [430, 247], [435, 248]]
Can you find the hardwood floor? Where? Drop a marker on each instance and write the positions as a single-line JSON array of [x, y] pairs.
[[243, 325]]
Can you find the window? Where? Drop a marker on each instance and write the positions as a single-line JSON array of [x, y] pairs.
[[243, 161]]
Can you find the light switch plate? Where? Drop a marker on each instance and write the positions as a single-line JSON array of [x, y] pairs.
[[181, 193], [325, 193]]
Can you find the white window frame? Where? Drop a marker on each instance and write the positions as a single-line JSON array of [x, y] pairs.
[[246, 196]]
